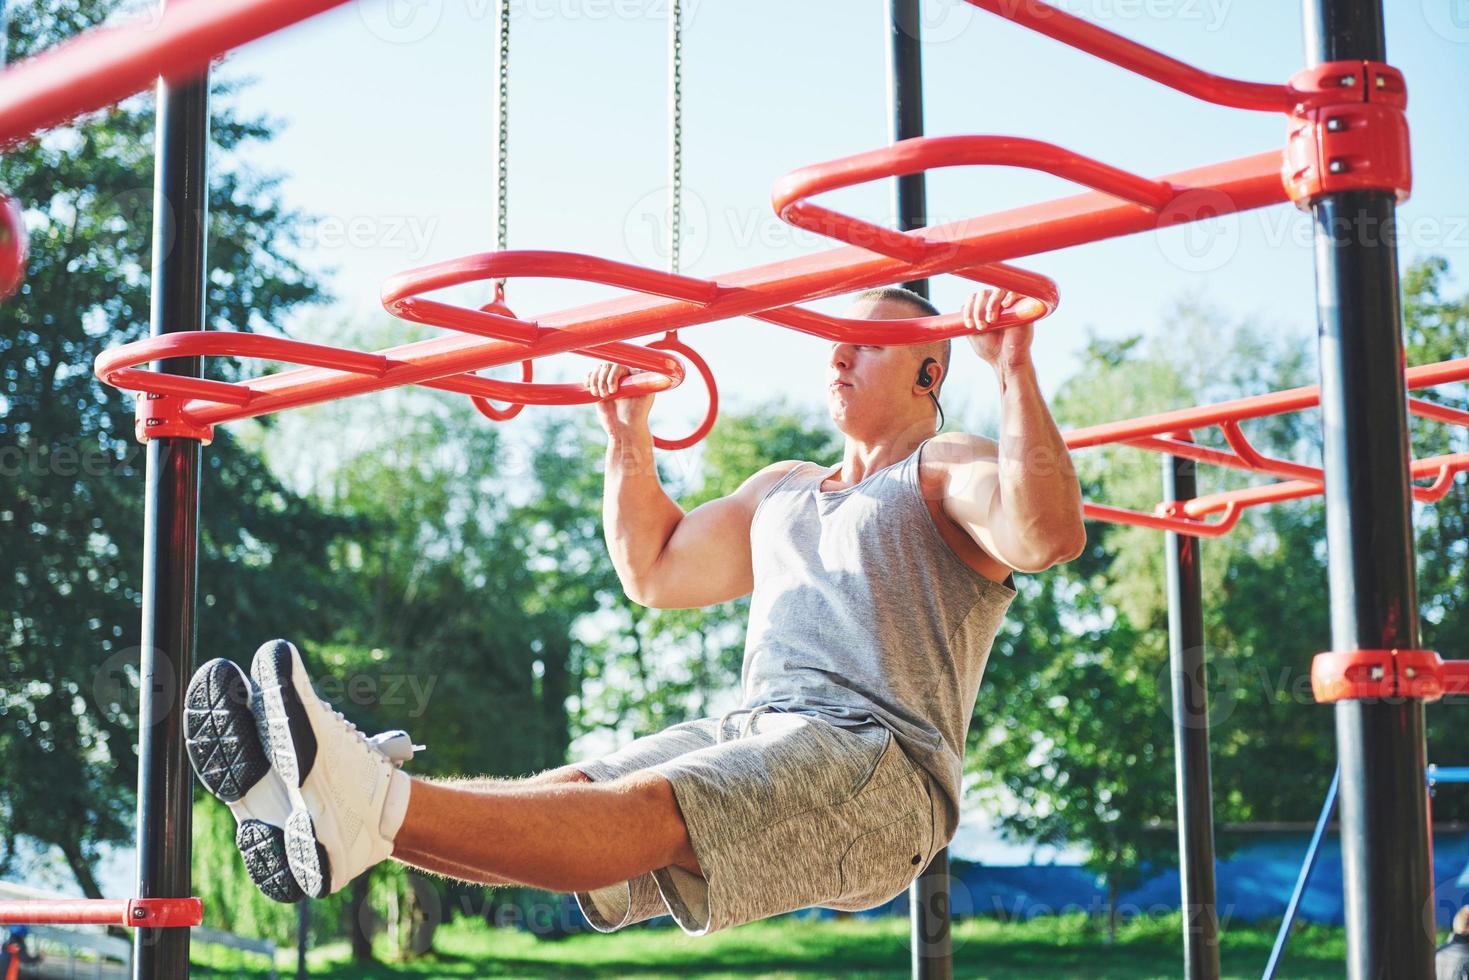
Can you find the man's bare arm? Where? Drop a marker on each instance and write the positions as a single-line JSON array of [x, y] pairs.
[[1020, 499], [668, 559]]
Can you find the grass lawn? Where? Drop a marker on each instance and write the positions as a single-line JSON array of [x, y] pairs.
[[861, 949]]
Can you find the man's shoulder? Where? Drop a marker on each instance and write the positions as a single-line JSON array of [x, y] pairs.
[[948, 442]]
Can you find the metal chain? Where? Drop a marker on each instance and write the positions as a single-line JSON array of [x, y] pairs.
[[675, 135], [502, 138]]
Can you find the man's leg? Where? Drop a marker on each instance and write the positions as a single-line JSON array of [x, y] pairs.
[[563, 835], [427, 862]]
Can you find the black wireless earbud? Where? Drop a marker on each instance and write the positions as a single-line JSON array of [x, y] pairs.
[[925, 378]]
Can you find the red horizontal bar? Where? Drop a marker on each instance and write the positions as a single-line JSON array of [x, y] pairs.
[[1239, 409], [1242, 184], [1440, 469], [1138, 59], [133, 913], [103, 66]]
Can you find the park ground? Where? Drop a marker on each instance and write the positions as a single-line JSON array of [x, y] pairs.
[[854, 949]]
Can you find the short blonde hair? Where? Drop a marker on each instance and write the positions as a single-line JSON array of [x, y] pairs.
[[1461, 921]]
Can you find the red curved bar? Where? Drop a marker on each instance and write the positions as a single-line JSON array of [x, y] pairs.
[[791, 195], [1139, 59], [14, 246], [444, 362], [116, 367], [107, 64], [1165, 522], [401, 297], [133, 913]]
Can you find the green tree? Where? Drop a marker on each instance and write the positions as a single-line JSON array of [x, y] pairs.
[[72, 505], [1072, 733]]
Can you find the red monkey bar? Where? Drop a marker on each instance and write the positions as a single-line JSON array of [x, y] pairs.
[[1160, 433]]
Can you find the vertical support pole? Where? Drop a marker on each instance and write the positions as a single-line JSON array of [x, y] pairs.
[[928, 897], [1387, 876], [171, 529], [1188, 670]]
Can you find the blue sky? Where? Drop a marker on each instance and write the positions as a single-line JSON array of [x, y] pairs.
[[388, 117]]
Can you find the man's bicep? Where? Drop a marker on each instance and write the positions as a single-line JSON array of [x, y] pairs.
[[707, 558]]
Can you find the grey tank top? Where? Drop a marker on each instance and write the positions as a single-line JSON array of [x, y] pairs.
[[861, 612]]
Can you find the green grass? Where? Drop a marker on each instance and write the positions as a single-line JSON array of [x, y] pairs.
[[859, 949]]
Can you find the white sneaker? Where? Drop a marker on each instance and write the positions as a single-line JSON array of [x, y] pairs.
[[347, 798], [225, 751], [227, 755]]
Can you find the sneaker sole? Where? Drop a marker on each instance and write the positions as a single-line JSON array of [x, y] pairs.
[[290, 741], [226, 754]]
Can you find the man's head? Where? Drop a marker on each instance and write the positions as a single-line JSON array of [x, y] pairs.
[[1461, 921], [873, 389]]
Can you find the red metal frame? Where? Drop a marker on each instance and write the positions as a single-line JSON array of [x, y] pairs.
[[135, 913], [102, 66], [1357, 674], [1160, 433]]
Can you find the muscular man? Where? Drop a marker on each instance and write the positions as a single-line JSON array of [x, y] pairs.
[[877, 585]]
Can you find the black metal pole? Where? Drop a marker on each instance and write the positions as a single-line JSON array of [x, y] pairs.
[[928, 898], [1387, 876], [171, 533], [1188, 670]]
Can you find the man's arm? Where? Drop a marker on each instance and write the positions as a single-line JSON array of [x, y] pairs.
[[1019, 500], [668, 559]]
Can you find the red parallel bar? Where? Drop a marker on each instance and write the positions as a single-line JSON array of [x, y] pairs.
[[105, 65], [1140, 60], [134, 913], [1255, 406], [1163, 522], [1440, 469], [1246, 183], [1438, 413]]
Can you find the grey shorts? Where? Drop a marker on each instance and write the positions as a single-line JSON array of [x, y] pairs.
[[784, 811]]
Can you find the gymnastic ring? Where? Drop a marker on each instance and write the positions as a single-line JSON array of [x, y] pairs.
[[527, 372], [672, 343]]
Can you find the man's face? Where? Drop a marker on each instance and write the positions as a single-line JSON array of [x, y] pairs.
[[871, 388]]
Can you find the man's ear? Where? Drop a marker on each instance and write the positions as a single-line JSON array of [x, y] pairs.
[[930, 374]]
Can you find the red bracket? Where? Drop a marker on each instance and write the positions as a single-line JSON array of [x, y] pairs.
[[1356, 674], [1348, 131], [161, 416]]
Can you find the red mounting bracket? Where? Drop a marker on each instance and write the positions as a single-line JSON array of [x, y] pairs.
[[161, 416], [1348, 131], [1356, 674]]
